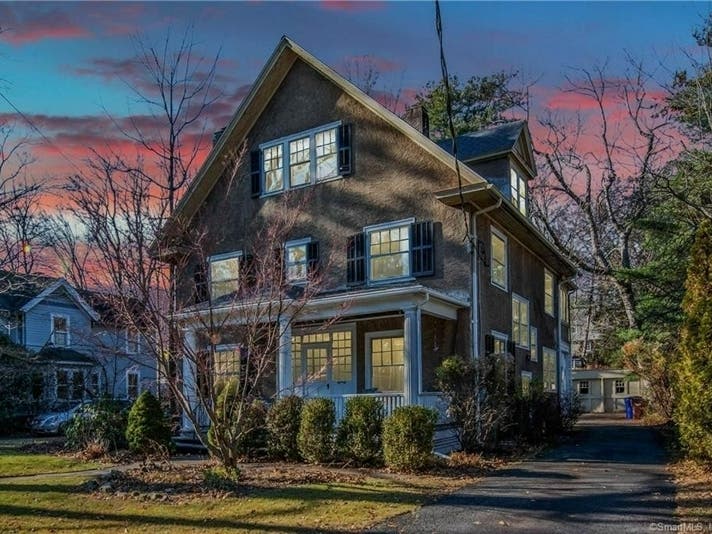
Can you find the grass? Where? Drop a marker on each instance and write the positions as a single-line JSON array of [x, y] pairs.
[[14, 461], [53, 504]]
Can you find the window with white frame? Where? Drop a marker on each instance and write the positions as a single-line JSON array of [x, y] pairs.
[[62, 384], [387, 357], [226, 363], [620, 386], [296, 260], [564, 305], [133, 384], [549, 369], [224, 274], [526, 382], [308, 157], [499, 342], [498, 263], [549, 292], [518, 189], [583, 387], [520, 321], [533, 344], [60, 330], [317, 364], [388, 250], [132, 341]]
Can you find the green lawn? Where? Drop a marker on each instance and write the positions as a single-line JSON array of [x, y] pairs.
[[55, 504], [17, 463]]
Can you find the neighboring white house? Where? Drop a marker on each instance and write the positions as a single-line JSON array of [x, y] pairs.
[[605, 390]]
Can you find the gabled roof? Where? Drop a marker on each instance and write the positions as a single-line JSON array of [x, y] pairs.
[[267, 83], [22, 292], [491, 142]]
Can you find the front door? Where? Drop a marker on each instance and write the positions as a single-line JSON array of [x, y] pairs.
[[323, 364]]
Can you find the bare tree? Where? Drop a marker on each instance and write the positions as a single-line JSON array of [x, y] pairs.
[[596, 181], [364, 73]]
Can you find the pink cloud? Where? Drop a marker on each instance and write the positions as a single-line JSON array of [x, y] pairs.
[[35, 24], [351, 5]]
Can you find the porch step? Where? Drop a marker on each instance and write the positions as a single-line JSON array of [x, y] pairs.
[[188, 443]]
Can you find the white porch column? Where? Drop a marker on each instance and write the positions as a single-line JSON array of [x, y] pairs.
[[190, 373], [412, 334], [284, 361]]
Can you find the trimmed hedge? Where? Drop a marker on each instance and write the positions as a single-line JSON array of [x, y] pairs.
[[283, 421], [316, 430], [359, 434], [148, 430], [408, 438]]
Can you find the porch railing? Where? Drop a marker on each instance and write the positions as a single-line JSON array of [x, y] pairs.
[[390, 401]]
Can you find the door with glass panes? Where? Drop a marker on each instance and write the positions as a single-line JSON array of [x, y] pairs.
[[322, 363]]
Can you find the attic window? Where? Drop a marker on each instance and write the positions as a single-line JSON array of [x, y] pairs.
[[518, 188], [302, 159], [60, 330]]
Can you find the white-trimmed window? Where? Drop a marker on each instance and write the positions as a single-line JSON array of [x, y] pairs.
[[388, 247], [533, 344], [296, 259], [385, 361], [301, 159], [583, 387], [498, 263], [549, 292], [549, 369], [564, 305], [526, 382], [619, 386], [133, 384], [520, 321], [133, 341], [313, 364], [518, 189], [60, 330], [499, 342], [224, 274], [226, 363]]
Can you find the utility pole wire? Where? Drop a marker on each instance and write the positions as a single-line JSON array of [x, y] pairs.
[[469, 238]]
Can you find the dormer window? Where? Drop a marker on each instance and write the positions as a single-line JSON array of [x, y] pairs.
[[302, 159], [518, 189]]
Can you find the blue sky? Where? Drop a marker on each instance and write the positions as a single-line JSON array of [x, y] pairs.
[[60, 61]]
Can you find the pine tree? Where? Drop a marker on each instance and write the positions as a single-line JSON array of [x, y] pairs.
[[148, 429], [693, 413]]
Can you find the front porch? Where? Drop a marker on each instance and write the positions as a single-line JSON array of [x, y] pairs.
[[386, 345]]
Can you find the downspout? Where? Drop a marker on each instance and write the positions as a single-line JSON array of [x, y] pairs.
[[560, 364], [475, 282]]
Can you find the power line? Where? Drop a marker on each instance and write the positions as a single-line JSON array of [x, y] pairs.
[[40, 133]]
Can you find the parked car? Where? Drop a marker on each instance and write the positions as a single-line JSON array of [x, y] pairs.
[[56, 419]]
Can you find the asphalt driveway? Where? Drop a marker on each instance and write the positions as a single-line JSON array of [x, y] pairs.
[[610, 477]]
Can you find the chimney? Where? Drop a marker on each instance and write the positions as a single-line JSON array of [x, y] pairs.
[[217, 135], [417, 117]]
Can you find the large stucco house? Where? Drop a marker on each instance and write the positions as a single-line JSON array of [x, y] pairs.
[[384, 204]]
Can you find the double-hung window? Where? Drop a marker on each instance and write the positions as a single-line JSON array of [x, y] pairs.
[[389, 251], [62, 384], [620, 387], [301, 159], [133, 384], [518, 191], [548, 364], [583, 387], [499, 343], [387, 356], [296, 260], [226, 363], [498, 254], [549, 292], [60, 330], [520, 321], [224, 274]]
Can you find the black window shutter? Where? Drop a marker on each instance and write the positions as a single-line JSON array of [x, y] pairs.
[[256, 172], [247, 271], [422, 257], [312, 258], [511, 347], [345, 152], [489, 344], [279, 264], [356, 259], [200, 279]]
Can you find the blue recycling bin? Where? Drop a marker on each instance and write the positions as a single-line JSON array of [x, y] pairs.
[[628, 407]]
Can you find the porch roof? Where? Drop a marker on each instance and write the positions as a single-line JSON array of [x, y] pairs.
[[347, 303]]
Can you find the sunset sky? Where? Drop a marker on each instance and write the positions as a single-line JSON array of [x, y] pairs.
[[67, 66]]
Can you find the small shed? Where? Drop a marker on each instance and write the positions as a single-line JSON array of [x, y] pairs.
[[605, 390]]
